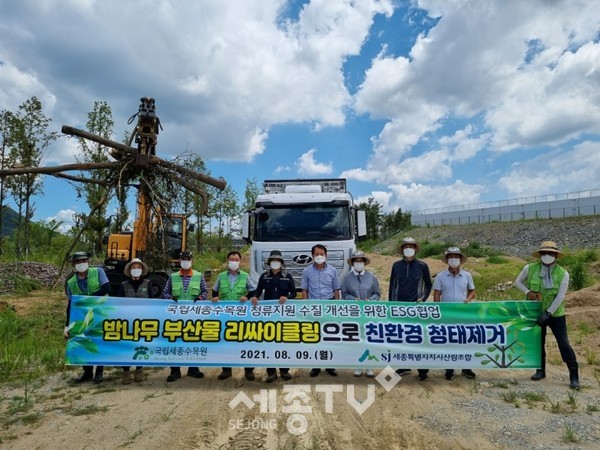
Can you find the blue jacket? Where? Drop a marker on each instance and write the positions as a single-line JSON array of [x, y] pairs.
[[409, 281]]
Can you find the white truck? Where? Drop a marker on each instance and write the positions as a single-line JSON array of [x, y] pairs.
[[293, 215]]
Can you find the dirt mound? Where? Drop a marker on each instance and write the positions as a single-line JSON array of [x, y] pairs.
[[589, 296]]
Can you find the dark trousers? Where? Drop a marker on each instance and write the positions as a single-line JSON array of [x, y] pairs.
[[558, 325]]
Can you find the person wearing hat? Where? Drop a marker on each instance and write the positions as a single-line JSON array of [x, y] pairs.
[[360, 284], [136, 287], [233, 284], [547, 282], [86, 281], [454, 285], [185, 284], [277, 284], [410, 281]]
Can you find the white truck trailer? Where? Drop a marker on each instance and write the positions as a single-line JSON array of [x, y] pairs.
[[293, 215]]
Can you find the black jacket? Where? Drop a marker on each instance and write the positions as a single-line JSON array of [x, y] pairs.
[[276, 285], [409, 281]]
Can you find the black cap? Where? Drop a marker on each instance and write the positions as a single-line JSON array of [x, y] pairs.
[[79, 256], [185, 255]]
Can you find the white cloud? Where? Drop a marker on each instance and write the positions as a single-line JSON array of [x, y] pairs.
[[221, 75], [65, 218], [559, 171], [519, 74], [414, 197], [307, 165]]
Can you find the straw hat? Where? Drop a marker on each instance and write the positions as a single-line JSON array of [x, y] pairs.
[[409, 240], [358, 254], [454, 251], [549, 247], [127, 269]]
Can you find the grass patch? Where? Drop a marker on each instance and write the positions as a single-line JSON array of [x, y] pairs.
[[86, 410], [32, 345]]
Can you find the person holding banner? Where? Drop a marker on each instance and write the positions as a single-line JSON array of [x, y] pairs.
[[410, 281], [233, 284], [360, 284], [320, 282], [547, 282], [454, 285], [135, 287], [277, 284], [186, 284], [86, 281]]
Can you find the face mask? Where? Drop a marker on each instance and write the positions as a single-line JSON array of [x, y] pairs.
[[548, 259], [359, 266], [275, 265], [320, 259], [136, 273], [81, 267], [408, 252], [186, 265], [234, 265], [454, 262]]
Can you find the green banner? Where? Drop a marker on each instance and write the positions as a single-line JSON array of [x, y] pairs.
[[303, 333]]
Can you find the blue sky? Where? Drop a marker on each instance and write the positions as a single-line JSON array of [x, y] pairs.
[[419, 104]]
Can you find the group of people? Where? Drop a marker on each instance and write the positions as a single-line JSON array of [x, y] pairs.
[[410, 281]]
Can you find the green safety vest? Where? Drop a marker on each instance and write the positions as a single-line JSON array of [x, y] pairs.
[[193, 290], [93, 283], [535, 284], [239, 288]]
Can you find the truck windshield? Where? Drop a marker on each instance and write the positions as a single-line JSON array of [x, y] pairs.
[[303, 223]]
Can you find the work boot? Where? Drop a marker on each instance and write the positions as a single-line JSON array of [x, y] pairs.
[[314, 372], [126, 377], [87, 375], [331, 372], [249, 374], [449, 374], [225, 373], [574, 377], [194, 372], [271, 377], [538, 375], [469, 374], [138, 375], [175, 374], [285, 374], [99, 375]]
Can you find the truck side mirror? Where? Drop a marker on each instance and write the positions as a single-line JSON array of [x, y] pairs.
[[246, 226], [361, 219]]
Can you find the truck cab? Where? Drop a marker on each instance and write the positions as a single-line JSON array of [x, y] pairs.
[[293, 215]]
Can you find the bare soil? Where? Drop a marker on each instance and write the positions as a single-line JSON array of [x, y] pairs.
[[498, 410]]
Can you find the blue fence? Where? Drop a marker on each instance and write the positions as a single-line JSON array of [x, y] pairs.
[[582, 203]]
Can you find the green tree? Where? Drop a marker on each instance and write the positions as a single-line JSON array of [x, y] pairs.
[[395, 222], [373, 215], [29, 138], [5, 121], [224, 209], [250, 194]]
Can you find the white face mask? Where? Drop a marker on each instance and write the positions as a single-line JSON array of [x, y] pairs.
[[454, 262], [320, 259], [186, 265], [408, 252], [359, 266], [81, 267], [136, 273], [548, 259], [233, 265], [275, 265]]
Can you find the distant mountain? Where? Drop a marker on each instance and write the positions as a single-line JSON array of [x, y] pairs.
[[9, 221]]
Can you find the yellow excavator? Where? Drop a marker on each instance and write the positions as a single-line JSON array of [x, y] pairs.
[[158, 237]]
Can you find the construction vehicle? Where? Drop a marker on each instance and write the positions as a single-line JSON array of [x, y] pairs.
[[293, 215], [158, 236]]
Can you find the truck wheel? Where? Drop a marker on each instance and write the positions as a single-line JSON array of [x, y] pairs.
[[157, 285]]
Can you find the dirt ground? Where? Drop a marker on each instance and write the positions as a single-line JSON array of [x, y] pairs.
[[500, 409]]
